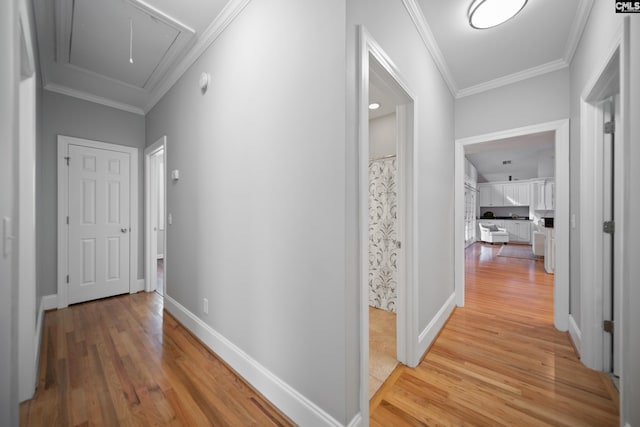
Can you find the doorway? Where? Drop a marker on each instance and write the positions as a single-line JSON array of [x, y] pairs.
[[602, 198], [377, 71], [561, 221], [155, 209]]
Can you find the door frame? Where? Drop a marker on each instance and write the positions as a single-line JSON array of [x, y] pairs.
[[63, 211], [407, 335], [26, 222], [151, 278], [561, 223], [614, 66]]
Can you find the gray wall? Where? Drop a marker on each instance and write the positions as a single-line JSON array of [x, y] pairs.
[[537, 100], [382, 136], [259, 210], [64, 115], [391, 26], [596, 40]]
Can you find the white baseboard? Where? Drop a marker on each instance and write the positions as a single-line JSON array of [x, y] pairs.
[[297, 407], [576, 334], [356, 421], [433, 328], [47, 302]]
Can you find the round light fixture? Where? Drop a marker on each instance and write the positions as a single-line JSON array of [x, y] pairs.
[[490, 13], [374, 106]]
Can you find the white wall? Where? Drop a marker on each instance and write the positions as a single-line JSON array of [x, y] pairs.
[[259, 210], [64, 115], [382, 136], [392, 28], [546, 163], [9, 66], [631, 367], [596, 40], [537, 100]]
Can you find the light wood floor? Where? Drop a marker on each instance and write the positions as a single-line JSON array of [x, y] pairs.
[[499, 360], [118, 361], [382, 347]]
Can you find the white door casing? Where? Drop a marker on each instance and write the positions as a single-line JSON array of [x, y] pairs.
[[151, 219], [97, 202], [561, 278]]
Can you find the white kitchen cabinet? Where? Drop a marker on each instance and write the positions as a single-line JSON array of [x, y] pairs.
[[519, 231], [516, 194], [505, 194], [544, 195], [491, 194]]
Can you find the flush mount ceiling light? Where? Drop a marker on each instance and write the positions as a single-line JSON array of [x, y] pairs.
[[490, 13], [374, 106]]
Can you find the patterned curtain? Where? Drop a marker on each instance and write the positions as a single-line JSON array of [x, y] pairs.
[[382, 234]]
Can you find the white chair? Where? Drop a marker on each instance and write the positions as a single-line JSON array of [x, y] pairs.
[[491, 233]]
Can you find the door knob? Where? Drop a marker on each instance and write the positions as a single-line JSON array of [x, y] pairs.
[[124, 230]]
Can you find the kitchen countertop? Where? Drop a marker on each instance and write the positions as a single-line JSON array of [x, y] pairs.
[[506, 218]]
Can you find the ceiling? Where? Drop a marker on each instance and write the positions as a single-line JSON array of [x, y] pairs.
[[541, 38], [524, 152], [84, 45]]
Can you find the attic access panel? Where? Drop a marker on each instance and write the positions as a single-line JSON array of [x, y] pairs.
[[96, 38]]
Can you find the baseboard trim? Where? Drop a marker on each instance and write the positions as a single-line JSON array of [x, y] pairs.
[[575, 334], [297, 407], [356, 421], [47, 302], [433, 328]]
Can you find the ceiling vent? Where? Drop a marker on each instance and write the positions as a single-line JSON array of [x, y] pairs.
[[506, 162]]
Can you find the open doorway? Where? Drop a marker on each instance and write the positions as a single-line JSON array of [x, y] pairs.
[[383, 234], [540, 193], [155, 244], [392, 170]]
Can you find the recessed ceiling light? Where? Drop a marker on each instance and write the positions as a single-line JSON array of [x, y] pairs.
[[374, 106], [490, 13]]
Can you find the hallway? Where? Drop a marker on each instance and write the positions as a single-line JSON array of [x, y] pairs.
[[499, 360]]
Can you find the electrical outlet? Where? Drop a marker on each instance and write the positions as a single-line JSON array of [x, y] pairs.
[[205, 305]]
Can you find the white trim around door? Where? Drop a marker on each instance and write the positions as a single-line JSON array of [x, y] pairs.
[[63, 211], [561, 224], [150, 241], [372, 55]]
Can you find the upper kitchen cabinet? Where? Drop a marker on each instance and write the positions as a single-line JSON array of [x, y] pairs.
[[505, 194], [491, 194], [544, 195]]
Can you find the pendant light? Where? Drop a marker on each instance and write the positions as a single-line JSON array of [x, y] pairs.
[[490, 13]]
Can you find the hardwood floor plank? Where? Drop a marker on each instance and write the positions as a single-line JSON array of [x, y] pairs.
[[124, 361], [499, 360]]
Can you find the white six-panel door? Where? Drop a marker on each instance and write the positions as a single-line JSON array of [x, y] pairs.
[[99, 223]]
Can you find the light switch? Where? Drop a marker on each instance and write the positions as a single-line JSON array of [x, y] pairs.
[[170, 219], [175, 174]]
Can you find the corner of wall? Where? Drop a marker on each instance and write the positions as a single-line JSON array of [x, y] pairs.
[[429, 334], [575, 334]]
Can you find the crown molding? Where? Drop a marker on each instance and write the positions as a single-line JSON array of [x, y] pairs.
[[53, 87], [212, 32], [582, 16], [420, 22], [549, 67]]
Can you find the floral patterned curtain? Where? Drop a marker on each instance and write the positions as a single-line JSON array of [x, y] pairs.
[[382, 234]]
